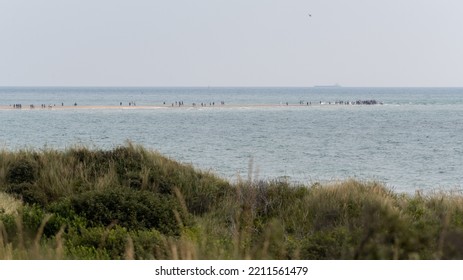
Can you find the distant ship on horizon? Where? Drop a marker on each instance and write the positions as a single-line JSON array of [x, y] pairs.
[[327, 86]]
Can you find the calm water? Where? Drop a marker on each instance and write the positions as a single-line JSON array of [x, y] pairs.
[[413, 141]]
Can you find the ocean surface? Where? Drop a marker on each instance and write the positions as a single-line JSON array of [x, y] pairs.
[[412, 141]]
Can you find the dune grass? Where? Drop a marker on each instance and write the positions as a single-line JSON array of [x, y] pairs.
[[133, 203]]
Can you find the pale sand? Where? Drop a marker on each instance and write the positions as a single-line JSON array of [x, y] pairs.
[[91, 107], [152, 107], [166, 106]]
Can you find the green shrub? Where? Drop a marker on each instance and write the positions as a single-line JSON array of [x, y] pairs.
[[126, 159], [107, 241], [112, 243], [21, 229], [22, 171], [148, 244], [136, 168], [125, 207], [332, 244], [29, 193]]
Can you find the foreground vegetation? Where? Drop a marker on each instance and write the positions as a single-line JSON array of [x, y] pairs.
[[131, 203]]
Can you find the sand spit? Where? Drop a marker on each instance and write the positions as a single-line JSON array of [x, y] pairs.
[[79, 107], [154, 107], [106, 107]]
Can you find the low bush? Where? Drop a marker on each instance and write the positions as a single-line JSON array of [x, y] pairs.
[[22, 171], [29, 193], [125, 207]]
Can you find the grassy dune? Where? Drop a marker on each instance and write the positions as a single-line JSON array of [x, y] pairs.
[[132, 203]]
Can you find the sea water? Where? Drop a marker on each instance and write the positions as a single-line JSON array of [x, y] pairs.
[[413, 140]]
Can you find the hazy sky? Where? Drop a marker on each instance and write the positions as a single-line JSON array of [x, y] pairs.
[[231, 42]]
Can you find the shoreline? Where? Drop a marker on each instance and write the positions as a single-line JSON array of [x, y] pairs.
[[155, 107]]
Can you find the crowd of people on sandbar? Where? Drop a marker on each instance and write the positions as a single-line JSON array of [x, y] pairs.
[[212, 104], [132, 103], [341, 102], [202, 104], [43, 106]]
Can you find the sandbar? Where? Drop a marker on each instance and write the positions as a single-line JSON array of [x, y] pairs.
[[154, 107]]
